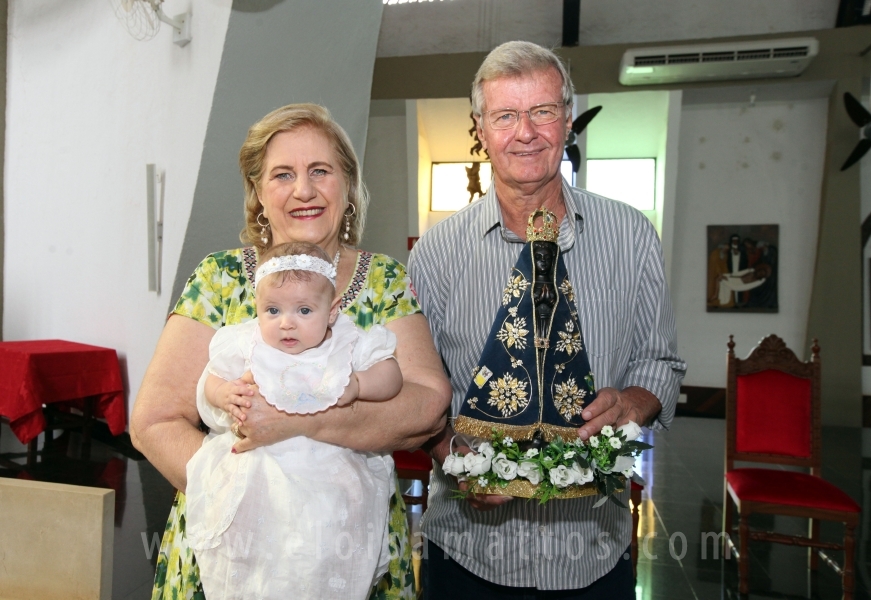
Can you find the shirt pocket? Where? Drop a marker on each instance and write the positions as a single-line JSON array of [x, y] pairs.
[[602, 314]]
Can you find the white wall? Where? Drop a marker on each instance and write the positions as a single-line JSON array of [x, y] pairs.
[[446, 122], [666, 179], [742, 164], [631, 124], [88, 107]]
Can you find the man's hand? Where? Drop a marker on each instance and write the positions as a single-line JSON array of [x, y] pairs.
[[615, 408], [439, 446], [484, 502]]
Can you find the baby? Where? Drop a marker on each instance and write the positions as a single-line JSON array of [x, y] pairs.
[[300, 518]]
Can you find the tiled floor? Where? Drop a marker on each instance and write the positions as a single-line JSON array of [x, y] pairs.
[[682, 502]]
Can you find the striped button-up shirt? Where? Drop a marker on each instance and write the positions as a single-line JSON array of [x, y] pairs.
[[614, 261]]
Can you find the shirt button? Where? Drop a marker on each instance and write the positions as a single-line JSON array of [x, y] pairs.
[[542, 528]]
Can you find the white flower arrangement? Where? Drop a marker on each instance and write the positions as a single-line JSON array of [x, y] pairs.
[[605, 460]]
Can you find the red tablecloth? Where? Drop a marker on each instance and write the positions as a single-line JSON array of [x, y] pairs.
[[33, 373]]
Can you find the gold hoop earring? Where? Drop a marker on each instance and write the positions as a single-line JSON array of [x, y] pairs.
[[348, 216], [263, 229]]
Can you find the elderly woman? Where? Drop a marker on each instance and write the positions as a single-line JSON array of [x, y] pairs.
[[302, 183]]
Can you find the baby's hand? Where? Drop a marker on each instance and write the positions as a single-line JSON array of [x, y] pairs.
[[229, 396], [352, 391]]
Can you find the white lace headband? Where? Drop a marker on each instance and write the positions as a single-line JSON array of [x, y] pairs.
[[297, 262]]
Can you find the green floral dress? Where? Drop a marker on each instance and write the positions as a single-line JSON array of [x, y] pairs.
[[220, 293]]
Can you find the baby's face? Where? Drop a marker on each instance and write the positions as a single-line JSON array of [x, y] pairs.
[[295, 315]]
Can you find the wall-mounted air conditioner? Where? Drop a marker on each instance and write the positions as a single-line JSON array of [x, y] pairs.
[[711, 62]]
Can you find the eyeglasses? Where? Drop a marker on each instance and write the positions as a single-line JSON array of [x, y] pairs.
[[507, 118]]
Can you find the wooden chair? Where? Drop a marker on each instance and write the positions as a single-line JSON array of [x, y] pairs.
[[417, 466], [773, 416]]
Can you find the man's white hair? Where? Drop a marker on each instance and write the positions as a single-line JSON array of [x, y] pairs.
[[515, 59]]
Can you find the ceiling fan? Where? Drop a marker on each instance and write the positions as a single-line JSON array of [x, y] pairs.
[[579, 124], [862, 118]]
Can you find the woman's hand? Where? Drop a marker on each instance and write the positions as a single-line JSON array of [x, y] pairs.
[[263, 424]]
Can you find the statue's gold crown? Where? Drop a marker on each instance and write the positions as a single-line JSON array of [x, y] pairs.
[[549, 230]]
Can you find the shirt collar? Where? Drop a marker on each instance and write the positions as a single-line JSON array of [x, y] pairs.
[[490, 217]]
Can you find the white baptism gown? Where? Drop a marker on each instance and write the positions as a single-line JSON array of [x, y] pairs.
[[298, 519]]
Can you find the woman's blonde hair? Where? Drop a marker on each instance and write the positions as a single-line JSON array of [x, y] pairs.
[[253, 153]]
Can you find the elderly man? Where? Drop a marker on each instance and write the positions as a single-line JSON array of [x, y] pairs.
[[512, 548]]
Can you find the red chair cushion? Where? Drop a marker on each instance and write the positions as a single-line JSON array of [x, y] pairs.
[[773, 414], [412, 461], [789, 488]]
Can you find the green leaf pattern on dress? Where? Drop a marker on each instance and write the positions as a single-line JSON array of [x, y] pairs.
[[219, 293]]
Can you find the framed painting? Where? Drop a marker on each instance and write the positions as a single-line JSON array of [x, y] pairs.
[[742, 268]]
